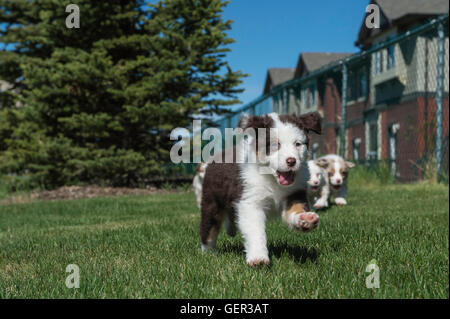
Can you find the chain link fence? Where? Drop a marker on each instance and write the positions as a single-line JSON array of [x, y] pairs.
[[387, 103]]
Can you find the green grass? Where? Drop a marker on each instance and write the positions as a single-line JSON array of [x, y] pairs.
[[149, 247]]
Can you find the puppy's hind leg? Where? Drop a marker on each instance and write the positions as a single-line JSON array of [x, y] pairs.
[[210, 224], [230, 226]]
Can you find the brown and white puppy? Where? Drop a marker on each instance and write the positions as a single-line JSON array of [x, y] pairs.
[[318, 188], [197, 183], [246, 193], [337, 169]]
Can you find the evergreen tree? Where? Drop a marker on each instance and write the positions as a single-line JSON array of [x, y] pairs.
[[97, 103]]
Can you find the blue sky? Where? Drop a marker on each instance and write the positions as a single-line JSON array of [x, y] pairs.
[[272, 33]]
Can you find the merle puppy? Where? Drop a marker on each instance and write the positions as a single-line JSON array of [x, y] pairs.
[[245, 194]]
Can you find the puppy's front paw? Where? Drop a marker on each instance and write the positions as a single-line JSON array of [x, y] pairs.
[[340, 201], [257, 255], [306, 221], [320, 204], [258, 262]]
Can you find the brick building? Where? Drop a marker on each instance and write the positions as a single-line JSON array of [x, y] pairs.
[[390, 93], [395, 119]]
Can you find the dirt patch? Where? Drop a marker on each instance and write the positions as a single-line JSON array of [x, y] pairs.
[[78, 192]]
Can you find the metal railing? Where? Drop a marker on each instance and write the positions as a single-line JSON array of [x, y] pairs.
[[389, 102]]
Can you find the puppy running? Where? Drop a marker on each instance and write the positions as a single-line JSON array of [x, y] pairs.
[[247, 193], [318, 190], [337, 170]]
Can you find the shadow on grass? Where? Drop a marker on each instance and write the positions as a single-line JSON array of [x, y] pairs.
[[297, 253]]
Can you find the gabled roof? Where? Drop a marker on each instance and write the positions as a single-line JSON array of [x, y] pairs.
[[277, 76], [311, 61], [394, 11]]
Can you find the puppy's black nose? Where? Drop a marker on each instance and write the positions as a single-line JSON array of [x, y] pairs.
[[290, 161]]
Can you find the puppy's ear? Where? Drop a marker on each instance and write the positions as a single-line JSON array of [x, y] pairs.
[[311, 122], [321, 162], [243, 121], [349, 164], [255, 122]]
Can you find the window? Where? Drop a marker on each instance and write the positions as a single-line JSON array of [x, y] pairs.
[[362, 84], [373, 141], [385, 59], [378, 62], [357, 84], [309, 95], [277, 103], [312, 92], [391, 57]]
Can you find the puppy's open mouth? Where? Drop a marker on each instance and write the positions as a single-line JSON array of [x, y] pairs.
[[286, 178], [314, 188], [336, 187]]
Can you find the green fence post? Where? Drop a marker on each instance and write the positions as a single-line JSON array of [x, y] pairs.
[[344, 109], [439, 97]]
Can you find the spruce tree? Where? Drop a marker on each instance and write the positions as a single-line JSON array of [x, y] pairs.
[[96, 104]]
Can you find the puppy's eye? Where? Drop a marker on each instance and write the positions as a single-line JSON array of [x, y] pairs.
[[298, 144], [275, 146]]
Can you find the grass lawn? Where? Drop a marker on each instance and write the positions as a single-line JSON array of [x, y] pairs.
[[148, 247]]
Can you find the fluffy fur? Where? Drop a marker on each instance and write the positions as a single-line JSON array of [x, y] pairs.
[[337, 170], [246, 194], [318, 188], [197, 183]]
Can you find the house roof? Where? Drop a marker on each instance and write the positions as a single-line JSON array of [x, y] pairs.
[[393, 11], [311, 61], [277, 76], [308, 62]]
